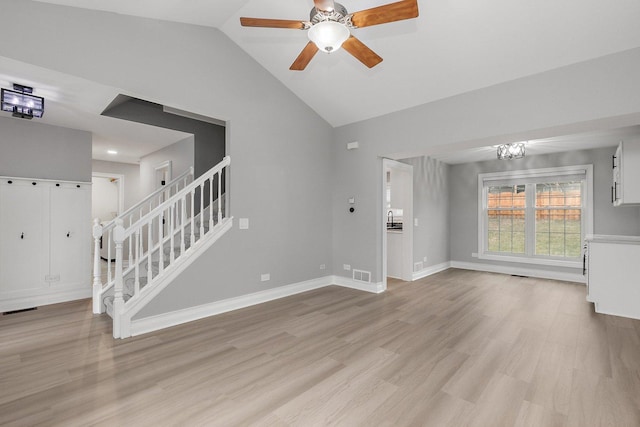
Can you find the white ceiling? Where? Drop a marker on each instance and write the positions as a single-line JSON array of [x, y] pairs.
[[454, 46]]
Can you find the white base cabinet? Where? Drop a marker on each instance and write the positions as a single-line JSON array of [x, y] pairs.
[[45, 245], [613, 274]]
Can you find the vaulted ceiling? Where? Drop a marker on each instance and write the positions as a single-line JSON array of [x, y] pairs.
[[454, 46]]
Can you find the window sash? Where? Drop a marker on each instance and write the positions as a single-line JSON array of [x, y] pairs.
[[553, 175]]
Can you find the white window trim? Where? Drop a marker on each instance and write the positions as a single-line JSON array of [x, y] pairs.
[[587, 206]]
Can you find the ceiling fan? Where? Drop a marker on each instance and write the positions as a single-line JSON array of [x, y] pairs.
[[329, 28]]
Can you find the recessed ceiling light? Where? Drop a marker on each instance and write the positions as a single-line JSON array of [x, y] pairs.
[[112, 152]]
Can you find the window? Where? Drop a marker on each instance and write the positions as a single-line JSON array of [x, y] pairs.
[[536, 216]]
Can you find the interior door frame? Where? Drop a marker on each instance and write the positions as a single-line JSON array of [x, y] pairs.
[[120, 179], [407, 244]]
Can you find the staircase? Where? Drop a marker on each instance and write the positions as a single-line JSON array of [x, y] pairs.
[[149, 245]]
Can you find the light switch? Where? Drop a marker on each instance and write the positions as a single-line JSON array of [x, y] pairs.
[[352, 200], [244, 223]]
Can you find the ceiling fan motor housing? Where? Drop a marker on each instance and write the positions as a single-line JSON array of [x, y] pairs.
[[338, 14]]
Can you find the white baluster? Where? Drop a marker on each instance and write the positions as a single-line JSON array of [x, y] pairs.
[[136, 283], [220, 196], [149, 251], [172, 254], [130, 248], [202, 210], [193, 232], [118, 295], [161, 243], [97, 267], [183, 215], [109, 256], [211, 202]]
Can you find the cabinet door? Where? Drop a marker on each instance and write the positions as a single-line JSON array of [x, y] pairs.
[[24, 257], [69, 231]]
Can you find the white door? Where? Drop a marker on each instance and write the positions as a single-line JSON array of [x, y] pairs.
[[24, 258], [70, 240]]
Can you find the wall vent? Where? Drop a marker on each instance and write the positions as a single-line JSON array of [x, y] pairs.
[[362, 276], [418, 266]]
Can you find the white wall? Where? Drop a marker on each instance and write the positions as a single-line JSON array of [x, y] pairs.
[[181, 155], [104, 198], [280, 176], [34, 150], [131, 172]]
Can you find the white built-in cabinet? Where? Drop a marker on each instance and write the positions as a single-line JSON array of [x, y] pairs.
[[612, 268], [45, 245], [626, 174]]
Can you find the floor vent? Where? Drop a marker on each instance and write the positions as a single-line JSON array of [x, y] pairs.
[[362, 276], [19, 311]]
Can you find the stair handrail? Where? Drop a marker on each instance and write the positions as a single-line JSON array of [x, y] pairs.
[[226, 161], [131, 234], [111, 224]]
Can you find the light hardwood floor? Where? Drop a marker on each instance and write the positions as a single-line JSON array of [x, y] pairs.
[[457, 348]]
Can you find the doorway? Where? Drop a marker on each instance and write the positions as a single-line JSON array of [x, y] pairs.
[[107, 196], [397, 220]]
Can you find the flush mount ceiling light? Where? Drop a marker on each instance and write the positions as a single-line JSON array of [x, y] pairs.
[[21, 103], [511, 151]]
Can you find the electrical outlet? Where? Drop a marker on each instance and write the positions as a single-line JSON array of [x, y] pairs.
[[424, 259], [322, 266], [243, 223], [265, 277], [415, 222], [346, 266]]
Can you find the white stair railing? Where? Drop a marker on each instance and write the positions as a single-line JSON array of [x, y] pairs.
[[157, 241], [128, 217]]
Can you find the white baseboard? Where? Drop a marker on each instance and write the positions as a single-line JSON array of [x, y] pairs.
[[12, 303], [174, 318], [530, 272], [347, 282], [431, 270]]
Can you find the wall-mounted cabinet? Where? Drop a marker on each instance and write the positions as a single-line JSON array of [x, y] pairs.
[[45, 246], [625, 189]]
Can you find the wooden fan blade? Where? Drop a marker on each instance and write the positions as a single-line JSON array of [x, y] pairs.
[[305, 57], [397, 11], [272, 23], [361, 52], [326, 5]]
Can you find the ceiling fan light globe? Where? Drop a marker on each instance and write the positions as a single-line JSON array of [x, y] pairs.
[[328, 35]]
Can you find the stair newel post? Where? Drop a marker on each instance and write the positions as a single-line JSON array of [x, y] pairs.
[[220, 195], [97, 267], [118, 294]]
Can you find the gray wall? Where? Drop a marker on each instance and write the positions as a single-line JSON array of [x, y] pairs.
[[431, 208], [208, 138], [598, 94], [131, 172], [464, 199], [34, 150], [280, 172], [181, 155]]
